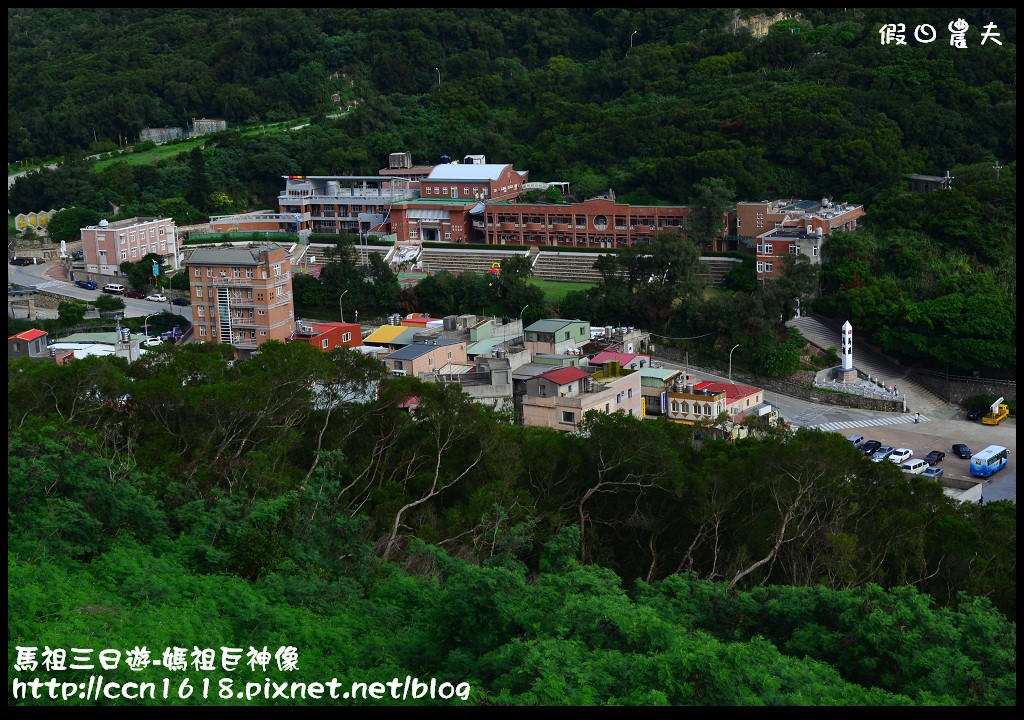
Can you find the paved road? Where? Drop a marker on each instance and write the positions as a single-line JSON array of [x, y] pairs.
[[899, 430], [43, 277]]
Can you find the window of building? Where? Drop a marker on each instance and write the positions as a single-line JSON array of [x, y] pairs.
[[814, 251], [768, 267], [686, 407], [794, 250], [209, 272], [455, 191], [739, 223], [124, 254], [202, 332], [413, 234], [629, 393], [675, 406], [324, 343], [252, 334], [399, 365], [760, 267], [542, 391], [465, 190], [445, 189], [430, 361], [768, 249], [277, 271], [135, 251], [568, 417], [607, 408], [201, 311], [447, 236], [449, 356], [236, 272], [198, 272], [248, 273], [760, 249], [748, 402], [263, 332], [263, 312], [566, 335], [696, 409]]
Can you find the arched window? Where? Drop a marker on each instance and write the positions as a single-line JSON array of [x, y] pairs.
[[686, 407], [707, 409], [675, 406]]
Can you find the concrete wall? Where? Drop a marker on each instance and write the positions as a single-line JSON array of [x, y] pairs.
[[955, 390]]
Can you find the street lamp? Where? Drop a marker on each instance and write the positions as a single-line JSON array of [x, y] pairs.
[[523, 329], [438, 76], [145, 323], [631, 38], [341, 308], [730, 361]]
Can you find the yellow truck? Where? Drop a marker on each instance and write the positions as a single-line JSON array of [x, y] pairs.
[[997, 413]]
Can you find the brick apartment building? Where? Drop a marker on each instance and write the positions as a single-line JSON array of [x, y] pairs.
[[241, 296], [108, 244], [774, 246], [756, 218], [328, 335]]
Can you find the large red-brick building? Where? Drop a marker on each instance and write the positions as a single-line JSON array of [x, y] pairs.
[[598, 222]]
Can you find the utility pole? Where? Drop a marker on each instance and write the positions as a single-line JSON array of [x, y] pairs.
[[438, 76], [997, 167], [631, 38], [730, 361], [341, 308]]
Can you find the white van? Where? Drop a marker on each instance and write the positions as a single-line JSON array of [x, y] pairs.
[[113, 289], [914, 467], [856, 440]]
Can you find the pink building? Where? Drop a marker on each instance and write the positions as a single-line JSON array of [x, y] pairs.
[[425, 357], [109, 244], [559, 398]]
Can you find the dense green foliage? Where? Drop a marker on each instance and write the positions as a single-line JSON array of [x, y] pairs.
[[932, 277], [751, 571]]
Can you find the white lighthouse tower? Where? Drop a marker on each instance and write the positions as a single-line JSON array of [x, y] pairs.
[[847, 345], [846, 372]]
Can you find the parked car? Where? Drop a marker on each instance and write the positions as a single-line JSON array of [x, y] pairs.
[[901, 455], [882, 453], [856, 440], [87, 284], [137, 294], [77, 255], [935, 456], [962, 451], [152, 342], [156, 297], [181, 301], [975, 415], [115, 289], [914, 466], [22, 261], [870, 446], [932, 472]]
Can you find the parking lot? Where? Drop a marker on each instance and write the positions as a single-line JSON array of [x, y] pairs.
[[942, 434]]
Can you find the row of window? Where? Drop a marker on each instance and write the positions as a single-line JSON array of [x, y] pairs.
[[684, 407]]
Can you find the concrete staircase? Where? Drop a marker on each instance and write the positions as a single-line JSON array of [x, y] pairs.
[[919, 398]]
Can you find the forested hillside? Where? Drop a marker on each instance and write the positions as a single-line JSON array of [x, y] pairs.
[[188, 501], [816, 106]]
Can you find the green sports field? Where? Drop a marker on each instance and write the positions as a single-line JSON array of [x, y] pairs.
[[555, 290]]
